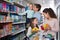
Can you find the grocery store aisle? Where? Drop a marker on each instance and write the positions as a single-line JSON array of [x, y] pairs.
[[13, 19]]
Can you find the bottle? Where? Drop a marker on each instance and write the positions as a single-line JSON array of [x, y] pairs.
[[8, 18]]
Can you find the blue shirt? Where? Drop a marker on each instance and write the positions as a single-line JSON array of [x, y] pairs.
[[30, 13], [37, 15]]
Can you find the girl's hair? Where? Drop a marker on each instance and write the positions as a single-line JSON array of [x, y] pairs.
[[50, 12], [31, 24]]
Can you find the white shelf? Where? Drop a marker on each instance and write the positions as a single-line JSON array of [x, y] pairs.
[[12, 12], [6, 12], [7, 2], [19, 31], [6, 35], [1, 22], [21, 14], [13, 33], [19, 22], [19, 5]]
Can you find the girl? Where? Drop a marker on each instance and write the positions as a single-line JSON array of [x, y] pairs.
[[33, 24], [29, 13], [51, 20]]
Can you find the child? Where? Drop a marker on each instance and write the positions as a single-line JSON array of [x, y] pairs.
[[37, 14], [51, 20], [29, 12], [33, 24]]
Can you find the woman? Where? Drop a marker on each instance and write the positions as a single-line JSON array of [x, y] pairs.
[[51, 20]]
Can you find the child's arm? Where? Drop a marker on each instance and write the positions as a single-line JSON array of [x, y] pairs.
[[29, 31], [24, 12]]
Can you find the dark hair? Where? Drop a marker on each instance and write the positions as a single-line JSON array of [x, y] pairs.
[[38, 6], [31, 24], [50, 12]]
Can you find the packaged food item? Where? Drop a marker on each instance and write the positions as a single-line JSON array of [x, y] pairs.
[[35, 29], [1, 32], [44, 26], [36, 37]]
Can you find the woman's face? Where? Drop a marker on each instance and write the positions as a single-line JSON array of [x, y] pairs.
[[35, 21], [46, 15]]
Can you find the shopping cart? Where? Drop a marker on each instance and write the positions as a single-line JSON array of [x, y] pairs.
[[39, 36]]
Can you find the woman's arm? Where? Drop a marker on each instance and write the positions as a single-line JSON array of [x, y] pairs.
[[56, 26]]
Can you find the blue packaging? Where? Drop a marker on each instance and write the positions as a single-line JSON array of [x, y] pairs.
[[11, 7], [1, 6], [15, 8], [7, 7]]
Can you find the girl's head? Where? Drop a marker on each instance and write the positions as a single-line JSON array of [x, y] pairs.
[[33, 22], [49, 13], [31, 6]]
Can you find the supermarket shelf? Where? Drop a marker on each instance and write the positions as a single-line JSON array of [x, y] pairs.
[[13, 3], [21, 14], [3, 22], [12, 12], [19, 22], [9, 12], [14, 33], [6, 2], [5, 35], [19, 5], [4, 13]]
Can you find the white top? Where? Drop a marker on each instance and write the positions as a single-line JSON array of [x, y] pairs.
[[54, 24], [29, 32]]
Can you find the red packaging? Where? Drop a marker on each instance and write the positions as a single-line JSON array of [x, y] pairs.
[[42, 27], [4, 6]]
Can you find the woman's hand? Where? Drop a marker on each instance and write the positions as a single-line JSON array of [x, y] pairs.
[[48, 28]]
